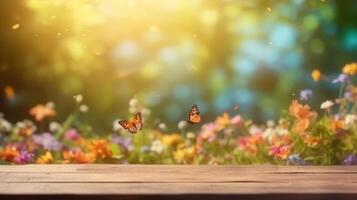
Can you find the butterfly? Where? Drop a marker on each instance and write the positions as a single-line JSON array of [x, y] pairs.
[[133, 125], [194, 116]]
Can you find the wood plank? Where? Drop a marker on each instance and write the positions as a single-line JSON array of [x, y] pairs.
[[134, 180]]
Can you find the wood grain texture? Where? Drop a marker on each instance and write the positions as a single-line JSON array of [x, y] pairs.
[[176, 180]]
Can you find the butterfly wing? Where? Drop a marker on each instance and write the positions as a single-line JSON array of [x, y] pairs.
[[194, 116], [138, 121], [127, 125]]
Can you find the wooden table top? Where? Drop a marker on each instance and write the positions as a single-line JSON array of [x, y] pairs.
[[128, 181]]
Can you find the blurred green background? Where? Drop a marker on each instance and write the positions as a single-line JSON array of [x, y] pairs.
[[170, 54]]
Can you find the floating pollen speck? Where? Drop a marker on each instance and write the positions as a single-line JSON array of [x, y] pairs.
[[268, 9], [15, 26]]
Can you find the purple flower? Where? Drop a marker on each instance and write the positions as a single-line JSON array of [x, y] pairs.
[[125, 143], [350, 160], [71, 134], [295, 159], [24, 157], [342, 78], [47, 141], [305, 95]]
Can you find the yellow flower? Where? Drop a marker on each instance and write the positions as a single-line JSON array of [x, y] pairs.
[[47, 158], [184, 155], [223, 121], [350, 69], [100, 149], [170, 140], [41, 112], [316, 75]]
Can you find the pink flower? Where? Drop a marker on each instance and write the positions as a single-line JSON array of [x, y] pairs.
[[71, 134], [237, 120]]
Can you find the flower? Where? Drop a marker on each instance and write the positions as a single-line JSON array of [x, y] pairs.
[[295, 159], [100, 149], [77, 156], [125, 143], [184, 154], [25, 128], [305, 94], [41, 112], [350, 120], [208, 132], [250, 143], [9, 153], [237, 120], [300, 111], [351, 93], [78, 98], [5, 126], [157, 147], [47, 158], [170, 140], [83, 108], [311, 141], [280, 151], [350, 160], [342, 78], [182, 125], [47, 141], [350, 69], [327, 105], [55, 126], [24, 157], [316, 75], [162, 126], [223, 121], [71, 134]]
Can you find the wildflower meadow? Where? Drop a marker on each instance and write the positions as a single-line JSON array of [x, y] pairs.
[[325, 135]]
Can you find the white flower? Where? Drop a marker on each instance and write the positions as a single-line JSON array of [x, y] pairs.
[[157, 146], [55, 126], [270, 123], [190, 135], [5, 125], [117, 126], [78, 98], [350, 120], [181, 125], [133, 102], [268, 133], [162, 126], [83, 108], [50, 104], [327, 105]]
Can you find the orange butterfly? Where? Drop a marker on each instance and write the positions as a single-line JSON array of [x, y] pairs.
[[134, 125], [194, 116]]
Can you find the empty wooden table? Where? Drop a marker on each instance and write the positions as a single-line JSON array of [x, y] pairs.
[[177, 182]]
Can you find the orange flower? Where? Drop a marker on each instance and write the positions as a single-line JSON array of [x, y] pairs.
[[336, 124], [170, 140], [312, 141], [250, 144], [100, 149], [316, 75], [41, 111], [301, 125], [9, 153], [47, 158], [77, 157], [300, 111], [350, 69]]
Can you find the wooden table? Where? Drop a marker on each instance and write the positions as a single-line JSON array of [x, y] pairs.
[[177, 182]]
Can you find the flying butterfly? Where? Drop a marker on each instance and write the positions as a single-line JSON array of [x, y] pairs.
[[194, 116], [133, 125]]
